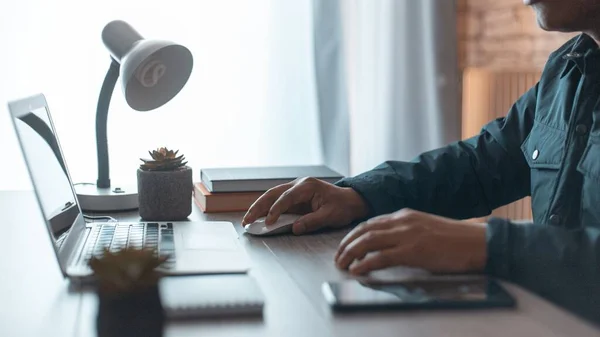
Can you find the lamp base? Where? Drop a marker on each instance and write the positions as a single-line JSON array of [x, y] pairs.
[[112, 199]]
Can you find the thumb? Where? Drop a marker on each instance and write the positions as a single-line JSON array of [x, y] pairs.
[[310, 222]]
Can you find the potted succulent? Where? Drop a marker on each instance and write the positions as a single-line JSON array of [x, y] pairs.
[[165, 186], [128, 293]]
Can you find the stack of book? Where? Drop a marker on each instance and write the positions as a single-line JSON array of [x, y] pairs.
[[236, 189]]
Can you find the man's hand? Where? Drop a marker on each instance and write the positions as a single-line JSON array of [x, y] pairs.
[[413, 239], [324, 205]]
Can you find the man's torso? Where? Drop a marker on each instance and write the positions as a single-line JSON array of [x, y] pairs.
[[563, 145]]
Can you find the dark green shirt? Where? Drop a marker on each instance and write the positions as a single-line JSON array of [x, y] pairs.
[[547, 147]]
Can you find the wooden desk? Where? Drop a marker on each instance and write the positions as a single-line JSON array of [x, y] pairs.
[[289, 270]]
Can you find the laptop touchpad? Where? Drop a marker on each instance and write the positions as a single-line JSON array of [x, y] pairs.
[[197, 240], [209, 248], [207, 236]]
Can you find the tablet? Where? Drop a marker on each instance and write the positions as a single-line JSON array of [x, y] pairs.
[[428, 293]]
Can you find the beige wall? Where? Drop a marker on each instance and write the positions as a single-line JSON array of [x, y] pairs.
[[503, 34]]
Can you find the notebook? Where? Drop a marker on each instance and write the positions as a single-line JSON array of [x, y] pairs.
[[260, 179], [235, 295]]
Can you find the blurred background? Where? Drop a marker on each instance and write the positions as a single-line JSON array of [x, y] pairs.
[[348, 83]]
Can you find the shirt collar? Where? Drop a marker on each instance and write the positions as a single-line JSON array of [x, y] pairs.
[[583, 46]]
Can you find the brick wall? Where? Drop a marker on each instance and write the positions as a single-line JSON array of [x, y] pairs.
[[503, 34]]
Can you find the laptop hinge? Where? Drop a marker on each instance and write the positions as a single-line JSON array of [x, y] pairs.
[[78, 251]]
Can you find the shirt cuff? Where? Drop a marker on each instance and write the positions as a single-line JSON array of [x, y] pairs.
[[498, 237]]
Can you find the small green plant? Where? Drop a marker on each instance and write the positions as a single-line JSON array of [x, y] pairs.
[[126, 270], [163, 159]]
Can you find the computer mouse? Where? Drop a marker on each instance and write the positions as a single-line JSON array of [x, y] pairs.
[[282, 225]]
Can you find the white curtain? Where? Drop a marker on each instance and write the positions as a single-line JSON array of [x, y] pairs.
[[400, 84], [251, 99]]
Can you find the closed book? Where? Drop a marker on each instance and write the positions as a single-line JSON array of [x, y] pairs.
[[223, 202], [260, 179]]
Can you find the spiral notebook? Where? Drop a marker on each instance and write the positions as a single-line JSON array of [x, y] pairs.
[[211, 296]]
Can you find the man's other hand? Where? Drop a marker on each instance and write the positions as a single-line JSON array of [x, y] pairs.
[[413, 239], [323, 205]]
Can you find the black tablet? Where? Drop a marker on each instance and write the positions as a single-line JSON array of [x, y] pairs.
[[429, 293]]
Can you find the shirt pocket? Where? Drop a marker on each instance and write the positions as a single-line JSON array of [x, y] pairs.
[[544, 147]]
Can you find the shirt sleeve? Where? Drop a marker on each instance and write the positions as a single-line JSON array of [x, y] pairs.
[[559, 264], [465, 179]]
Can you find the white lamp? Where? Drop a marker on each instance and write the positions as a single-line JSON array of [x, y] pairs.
[[152, 72]]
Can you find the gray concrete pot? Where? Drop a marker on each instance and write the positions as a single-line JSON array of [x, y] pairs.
[[165, 195]]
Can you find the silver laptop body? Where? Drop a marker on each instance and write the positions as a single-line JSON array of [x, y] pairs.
[[210, 247]]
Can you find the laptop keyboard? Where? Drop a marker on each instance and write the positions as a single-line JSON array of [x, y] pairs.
[[115, 236]]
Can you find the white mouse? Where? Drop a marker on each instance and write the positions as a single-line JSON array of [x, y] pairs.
[[282, 225]]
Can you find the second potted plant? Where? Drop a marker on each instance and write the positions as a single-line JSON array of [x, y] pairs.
[[129, 302]]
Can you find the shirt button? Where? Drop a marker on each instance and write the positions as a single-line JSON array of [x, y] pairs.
[[535, 154], [554, 219], [572, 55], [581, 129]]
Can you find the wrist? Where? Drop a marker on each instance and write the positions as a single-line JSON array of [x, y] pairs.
[[358, 206], [478, 258]]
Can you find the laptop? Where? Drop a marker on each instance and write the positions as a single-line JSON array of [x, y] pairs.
[[207, 247]]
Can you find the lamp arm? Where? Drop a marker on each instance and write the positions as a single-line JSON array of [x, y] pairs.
[[101, 121]]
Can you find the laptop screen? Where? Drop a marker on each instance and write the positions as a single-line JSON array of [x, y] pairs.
[[48, 171]]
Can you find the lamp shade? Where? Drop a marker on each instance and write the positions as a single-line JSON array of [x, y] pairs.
[[152, 71]]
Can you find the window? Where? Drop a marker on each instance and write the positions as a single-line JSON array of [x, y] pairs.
[[250, 99]]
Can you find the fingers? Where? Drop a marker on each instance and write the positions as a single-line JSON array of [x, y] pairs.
[[378, 223], [372, 241], [299, 193], [380, 260], [262, 205]]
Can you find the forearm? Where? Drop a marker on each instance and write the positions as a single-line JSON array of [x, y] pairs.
[[463, 180], [559, 264]]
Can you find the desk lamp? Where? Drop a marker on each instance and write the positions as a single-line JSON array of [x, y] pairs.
[[152, 72]]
